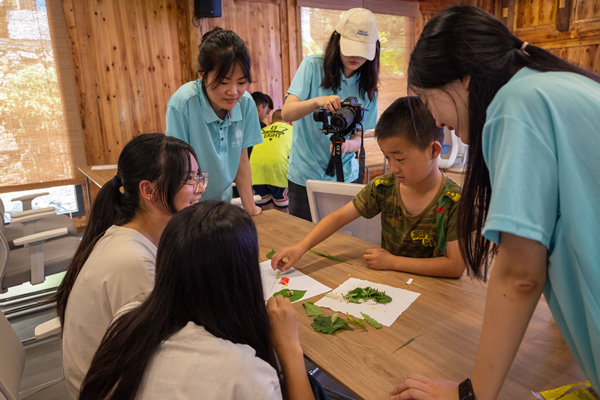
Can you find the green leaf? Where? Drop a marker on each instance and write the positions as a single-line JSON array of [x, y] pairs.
[[271, 253], [356, 321], [311, 309], [360, 295], [291, 294], [371, 321], [328, 325], [408, 342], [329, 256]]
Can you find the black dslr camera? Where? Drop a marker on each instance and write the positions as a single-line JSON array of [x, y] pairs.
[[340, 124], [343, 121]]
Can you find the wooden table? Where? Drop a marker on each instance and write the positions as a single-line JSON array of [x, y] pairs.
[[98, 176], [450, 312]]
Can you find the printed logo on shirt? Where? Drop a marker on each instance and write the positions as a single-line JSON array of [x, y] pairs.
[[239, 135]]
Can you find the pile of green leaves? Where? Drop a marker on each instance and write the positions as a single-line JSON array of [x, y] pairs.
[[331, 324], [328, 325], [360, 295]]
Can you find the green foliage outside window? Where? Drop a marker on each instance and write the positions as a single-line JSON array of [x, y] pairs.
[[29, 100]]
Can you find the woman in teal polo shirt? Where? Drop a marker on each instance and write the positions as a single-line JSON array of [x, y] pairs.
[[349, 67], [532, 188], [218, 118]]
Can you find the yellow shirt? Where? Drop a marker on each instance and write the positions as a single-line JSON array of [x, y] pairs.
[[269, 159]]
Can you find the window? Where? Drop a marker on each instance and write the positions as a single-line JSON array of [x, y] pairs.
[[39, 118], [67, 199], [395, 35]]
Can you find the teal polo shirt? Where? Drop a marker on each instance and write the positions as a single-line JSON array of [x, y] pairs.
[[310, 154], [218, 143], [541, 141]]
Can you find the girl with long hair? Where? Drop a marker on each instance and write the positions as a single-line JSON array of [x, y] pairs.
[[531, 188], [349, 68], [204, 331], [157, 176], [217, 116]]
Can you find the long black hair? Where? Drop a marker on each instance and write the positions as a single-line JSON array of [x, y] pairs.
[[153, 157], [467, 41], [220, 51], [207, 272], [368, 77]]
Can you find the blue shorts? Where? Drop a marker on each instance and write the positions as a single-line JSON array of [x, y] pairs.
[[272, 194]]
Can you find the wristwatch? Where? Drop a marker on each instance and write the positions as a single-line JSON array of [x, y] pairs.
[[465, 390]]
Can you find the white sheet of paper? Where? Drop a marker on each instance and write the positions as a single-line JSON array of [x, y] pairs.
[[298, 281], [385, 314], [109, 166]]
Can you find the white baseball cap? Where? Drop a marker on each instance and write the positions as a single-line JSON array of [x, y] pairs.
[[358, 30]]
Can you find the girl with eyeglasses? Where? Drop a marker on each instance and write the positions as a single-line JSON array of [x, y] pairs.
[[217, 116], [115, 261], [204, 331]]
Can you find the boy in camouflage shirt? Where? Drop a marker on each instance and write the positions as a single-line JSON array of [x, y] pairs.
[[417, 202]]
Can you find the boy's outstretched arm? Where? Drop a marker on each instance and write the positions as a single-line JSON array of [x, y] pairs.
[[325, 228], [449, 266]]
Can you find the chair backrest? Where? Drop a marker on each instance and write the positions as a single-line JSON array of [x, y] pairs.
[[325, 197], [4, 253], [447, 157], [12, 361]]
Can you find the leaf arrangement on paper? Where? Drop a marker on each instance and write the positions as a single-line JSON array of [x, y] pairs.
[[293, 295], [360, 295]]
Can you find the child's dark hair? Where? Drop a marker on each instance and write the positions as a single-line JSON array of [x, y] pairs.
[[410, 119], [220, 51], [207, 272], [118, 200], [261, 98], [368, 77], [466, 41]]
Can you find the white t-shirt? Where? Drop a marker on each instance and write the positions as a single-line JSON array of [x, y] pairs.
[[119, 269], [194, 364]]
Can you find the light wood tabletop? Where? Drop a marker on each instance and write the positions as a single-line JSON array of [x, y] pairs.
[[99, 175], [449, 311]]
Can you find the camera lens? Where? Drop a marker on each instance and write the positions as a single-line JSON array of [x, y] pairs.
[[342, 118]]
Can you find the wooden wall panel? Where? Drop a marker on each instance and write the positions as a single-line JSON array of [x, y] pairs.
[[129, 58], [576, 42]]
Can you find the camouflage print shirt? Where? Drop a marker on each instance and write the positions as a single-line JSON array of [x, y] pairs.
[[419, 236]]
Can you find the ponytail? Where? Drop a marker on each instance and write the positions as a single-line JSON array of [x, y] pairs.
[[118, 200]]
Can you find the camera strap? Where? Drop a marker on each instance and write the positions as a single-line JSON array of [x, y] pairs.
[[361, 157]]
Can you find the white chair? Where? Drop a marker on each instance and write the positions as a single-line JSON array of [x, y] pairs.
[[325, 197], [454, 153], [37, 259], [32, 221], [12, 364]]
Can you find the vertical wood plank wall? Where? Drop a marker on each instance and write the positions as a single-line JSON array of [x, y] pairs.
[[130, 56]]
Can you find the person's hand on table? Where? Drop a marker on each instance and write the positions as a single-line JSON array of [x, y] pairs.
[[284, 326], [256, 210], [418, 387], [291, 255], [379, 258]]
